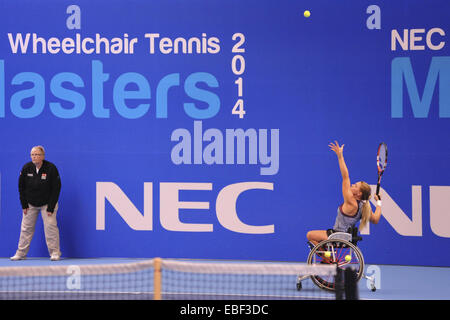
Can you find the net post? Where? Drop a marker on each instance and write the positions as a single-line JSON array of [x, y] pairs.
[[157, 279], [351, 284], [339, 284]]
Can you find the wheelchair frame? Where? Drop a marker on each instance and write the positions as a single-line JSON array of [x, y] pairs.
[[338, 246]]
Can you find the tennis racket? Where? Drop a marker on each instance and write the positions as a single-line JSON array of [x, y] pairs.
[[381, 163]]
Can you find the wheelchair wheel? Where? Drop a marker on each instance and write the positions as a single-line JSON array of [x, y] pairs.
[[342, 253]]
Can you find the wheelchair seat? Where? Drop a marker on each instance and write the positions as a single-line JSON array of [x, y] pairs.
[[351, 235], [340, 236]]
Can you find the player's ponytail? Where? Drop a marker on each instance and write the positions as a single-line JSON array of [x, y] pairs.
[[366, 209]]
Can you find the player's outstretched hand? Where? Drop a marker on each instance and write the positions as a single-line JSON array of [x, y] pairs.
[[339, 150]]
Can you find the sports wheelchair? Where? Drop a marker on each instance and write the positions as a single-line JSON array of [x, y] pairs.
[[339, 249]]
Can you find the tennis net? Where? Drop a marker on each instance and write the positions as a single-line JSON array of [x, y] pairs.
[[165, 279]]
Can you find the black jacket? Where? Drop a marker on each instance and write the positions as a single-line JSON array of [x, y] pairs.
[[41, 188]]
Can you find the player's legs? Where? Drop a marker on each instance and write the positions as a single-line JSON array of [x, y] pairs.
[[315, 236]]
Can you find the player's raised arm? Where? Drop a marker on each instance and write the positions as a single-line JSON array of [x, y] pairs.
[[349, 200], [375, 217]]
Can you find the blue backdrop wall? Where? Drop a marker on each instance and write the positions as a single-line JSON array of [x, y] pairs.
[[200, 129]]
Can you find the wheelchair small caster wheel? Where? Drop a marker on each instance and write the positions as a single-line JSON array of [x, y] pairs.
[[299, 286], [373, 289]]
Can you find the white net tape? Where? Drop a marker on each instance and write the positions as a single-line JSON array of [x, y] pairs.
[[249, 268]]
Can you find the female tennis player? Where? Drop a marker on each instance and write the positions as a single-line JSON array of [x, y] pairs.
[[356, 204]]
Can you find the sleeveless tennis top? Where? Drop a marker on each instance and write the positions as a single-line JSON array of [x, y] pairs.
[[343, 221]]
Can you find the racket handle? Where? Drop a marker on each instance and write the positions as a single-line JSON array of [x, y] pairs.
[[378, 191]]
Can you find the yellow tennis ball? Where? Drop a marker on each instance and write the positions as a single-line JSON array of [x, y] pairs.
[[348, 258], [306, 13], [327, 254]]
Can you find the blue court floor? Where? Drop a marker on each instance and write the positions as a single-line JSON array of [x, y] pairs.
[[393, 282]]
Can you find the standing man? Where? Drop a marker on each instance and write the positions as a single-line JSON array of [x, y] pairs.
[[39, 187]]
